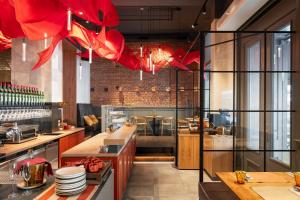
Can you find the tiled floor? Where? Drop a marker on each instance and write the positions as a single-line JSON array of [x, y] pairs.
[[161, 181]]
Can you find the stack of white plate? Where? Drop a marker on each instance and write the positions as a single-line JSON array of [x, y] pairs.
[[70, 181]]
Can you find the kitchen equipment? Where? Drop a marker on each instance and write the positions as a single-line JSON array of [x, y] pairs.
[[18, 134], [37, 174]]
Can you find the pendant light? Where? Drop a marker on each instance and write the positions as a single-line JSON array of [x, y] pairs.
[[69, 19], [148, 63], [24, 45], [141, 51], [141, 75], [153, 69], [45, 40], [90, 54], [150, 60]]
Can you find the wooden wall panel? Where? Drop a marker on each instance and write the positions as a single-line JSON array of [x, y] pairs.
[[69, 83]]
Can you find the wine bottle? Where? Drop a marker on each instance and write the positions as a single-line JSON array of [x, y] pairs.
[[1, 95], [8, 88], [17, 93], [29, 96], [4, 94], [13, 95]]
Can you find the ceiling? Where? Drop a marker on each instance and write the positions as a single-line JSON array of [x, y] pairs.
[[163, 19]]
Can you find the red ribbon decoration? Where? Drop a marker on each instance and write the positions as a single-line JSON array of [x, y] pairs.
[[38, 18], [5, 42], [8, 23]]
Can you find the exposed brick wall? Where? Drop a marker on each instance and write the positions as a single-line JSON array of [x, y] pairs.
[[111, 76]]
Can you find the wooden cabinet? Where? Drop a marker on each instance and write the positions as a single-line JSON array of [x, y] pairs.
[[218, 161], [69, 141], [188, 151]]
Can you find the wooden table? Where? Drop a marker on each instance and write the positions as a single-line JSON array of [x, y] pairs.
[[244, 191]]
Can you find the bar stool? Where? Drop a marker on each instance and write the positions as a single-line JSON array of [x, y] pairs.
[[141, 123], [167, 122]]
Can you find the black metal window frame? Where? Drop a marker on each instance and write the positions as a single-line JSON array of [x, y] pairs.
[[202, 71]]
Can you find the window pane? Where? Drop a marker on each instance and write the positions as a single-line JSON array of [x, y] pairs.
[[253, 96], [281, 95]]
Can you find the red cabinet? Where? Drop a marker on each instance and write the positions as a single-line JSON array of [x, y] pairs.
[[122, 165], [69, 141]]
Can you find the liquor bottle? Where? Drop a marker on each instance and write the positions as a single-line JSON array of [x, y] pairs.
[[17, 93], [9, 94], [21, 98], [29, 96], [13, 95], [32, 96], [26, 97], [42, 98], [4, 94], [37, 96], [1, 95]]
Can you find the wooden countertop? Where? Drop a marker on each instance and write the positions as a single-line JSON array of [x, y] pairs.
[[91, 146], [10, 149], [244, 191], [121, 136]]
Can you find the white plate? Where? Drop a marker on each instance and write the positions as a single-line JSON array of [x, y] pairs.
[[69, 172], [70, 193], [70, 180], [70, 186], [71, 190]]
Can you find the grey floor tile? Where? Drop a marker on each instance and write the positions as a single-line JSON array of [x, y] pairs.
[[162, 181]]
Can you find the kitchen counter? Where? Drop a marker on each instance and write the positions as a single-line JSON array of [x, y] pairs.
[[124, 142], [10, 149], [91, 146], [103, 192], [120, 136]]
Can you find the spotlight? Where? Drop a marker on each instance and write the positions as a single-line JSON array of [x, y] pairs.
[[194, 25], [203, 11]]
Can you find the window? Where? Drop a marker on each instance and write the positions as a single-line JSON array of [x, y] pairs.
[[281, 95], [253, 96]]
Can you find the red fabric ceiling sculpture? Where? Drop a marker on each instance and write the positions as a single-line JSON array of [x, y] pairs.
[[5, 43], [8, 23], [40, 19], [161, 57]]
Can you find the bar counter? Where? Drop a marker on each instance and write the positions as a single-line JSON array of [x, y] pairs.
[[103, 191], [10, 149], [91, 146], [122, 159]]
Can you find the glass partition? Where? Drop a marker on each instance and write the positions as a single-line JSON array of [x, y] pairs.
[[246, 100]]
